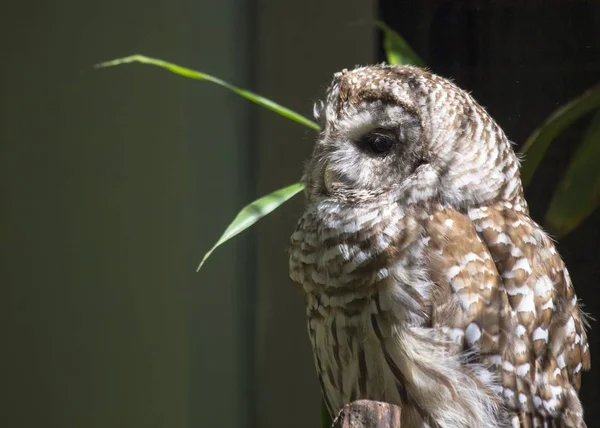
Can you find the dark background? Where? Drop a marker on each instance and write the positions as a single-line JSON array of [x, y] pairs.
[[115, 182]]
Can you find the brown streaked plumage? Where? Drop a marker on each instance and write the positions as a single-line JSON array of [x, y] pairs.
[[427, 284]]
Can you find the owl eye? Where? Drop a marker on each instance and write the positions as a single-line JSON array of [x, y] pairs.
[[377, 143]]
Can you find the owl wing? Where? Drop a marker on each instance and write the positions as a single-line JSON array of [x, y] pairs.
[[503, 292]]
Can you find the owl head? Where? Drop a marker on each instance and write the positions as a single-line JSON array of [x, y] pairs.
[[403, 132]]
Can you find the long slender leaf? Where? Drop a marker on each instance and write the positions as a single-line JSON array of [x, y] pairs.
[[397, 50], [578, 193], [193, 74], [326, 420], [536, 145], [253, 212]]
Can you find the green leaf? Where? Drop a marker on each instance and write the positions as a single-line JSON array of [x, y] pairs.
[[326, 420], [253, 212], [536, 145], [396, 48], [192, 74], [578, 193]]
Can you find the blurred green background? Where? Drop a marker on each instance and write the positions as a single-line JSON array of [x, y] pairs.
[[115, 182]]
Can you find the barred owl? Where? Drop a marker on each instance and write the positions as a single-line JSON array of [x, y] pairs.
[[426, 283]]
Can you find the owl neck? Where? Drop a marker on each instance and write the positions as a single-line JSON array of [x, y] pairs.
[[480, 166]]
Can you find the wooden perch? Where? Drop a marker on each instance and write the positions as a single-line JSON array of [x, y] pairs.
[[368, 414]]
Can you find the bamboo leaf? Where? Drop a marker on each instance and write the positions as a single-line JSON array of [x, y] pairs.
[[198, 75], [253, 212], [536, 145], [397, 50], [578, 193], [326, 420]]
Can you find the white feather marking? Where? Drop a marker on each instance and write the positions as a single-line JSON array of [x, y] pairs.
[[527, 303], [523, 264], [543, 286], [552, 404], [516, 224], [365, 217], [523, 369], [556, 391], [456, 335], [560, 361], [470, 257], [520, 347], [488, 285], [331, 253], [468, 299], [472, 333], [510, 187], [520, 330], [458, 284], [570, 327], [452, 272], [382, 274], [540, 334], [537, 402], [502, 238], [495, 359], [516, 252], [489, 224], [522, 399], [514, 422], [524, 289], [357, 260], [477, 214], [508, 394]]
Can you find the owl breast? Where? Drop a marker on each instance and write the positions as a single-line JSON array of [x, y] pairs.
[[368, 305]]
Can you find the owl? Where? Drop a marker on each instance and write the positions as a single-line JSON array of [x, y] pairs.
[[427, 284]]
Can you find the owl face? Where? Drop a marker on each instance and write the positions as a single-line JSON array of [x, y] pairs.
[[402, 131], [370, 152]]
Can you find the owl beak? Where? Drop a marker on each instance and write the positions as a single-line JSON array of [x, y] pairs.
[[328, 178]]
